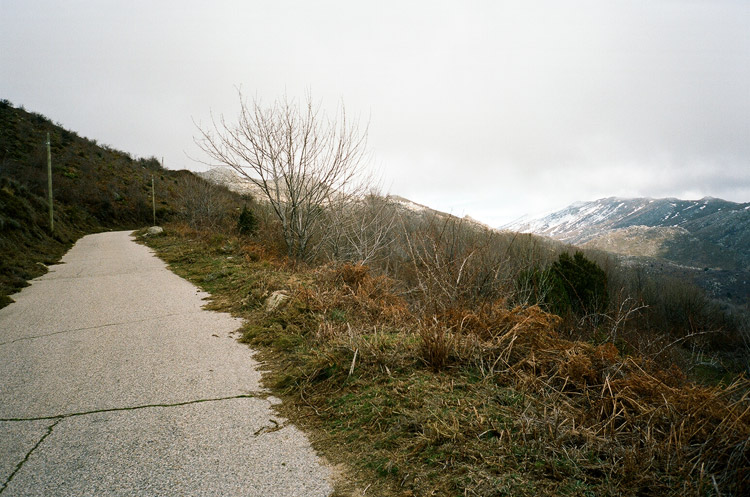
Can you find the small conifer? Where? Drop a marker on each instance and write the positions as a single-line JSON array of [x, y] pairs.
[[247, 224]]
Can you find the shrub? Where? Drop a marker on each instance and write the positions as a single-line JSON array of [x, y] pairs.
[[247, 223], [578, 285]]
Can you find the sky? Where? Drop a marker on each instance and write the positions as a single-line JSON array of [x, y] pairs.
[[492, 109]]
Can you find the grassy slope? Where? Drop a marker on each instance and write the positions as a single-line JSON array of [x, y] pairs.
[[509, 408], [95, 188], [25, 241]]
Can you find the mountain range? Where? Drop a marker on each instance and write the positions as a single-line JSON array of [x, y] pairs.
[[708, 239]]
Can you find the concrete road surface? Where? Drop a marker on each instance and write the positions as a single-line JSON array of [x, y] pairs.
[[114, 381]]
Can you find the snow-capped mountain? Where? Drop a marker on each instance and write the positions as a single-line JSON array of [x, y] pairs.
[[709, 237], [584, 221]]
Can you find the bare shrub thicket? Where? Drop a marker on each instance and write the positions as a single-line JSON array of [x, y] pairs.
[[363, 231], [657, 314], [304, 163], [205, 205], [454, 263], [452, 270]]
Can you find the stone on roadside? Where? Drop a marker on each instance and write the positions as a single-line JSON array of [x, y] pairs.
[[155, 230]]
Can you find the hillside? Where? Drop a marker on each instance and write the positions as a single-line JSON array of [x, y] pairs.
[[706, 240], [95, 188], [430, 376]]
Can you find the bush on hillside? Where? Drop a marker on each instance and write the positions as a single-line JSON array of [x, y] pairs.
[[570, 285], [247, 223], [578, 285]]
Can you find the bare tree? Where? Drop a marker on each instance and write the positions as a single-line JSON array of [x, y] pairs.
[[302, 161]]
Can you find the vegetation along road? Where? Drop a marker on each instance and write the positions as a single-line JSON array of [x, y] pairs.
[[114, 381]]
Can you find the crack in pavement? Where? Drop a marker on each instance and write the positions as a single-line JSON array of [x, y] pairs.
[[60, 417], [87, 328], [28, 454], [133, 408], [51, 275]]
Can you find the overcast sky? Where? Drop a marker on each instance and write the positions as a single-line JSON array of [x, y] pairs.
[[488, 108]]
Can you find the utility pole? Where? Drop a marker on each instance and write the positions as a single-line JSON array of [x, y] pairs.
[[49, 185], [153, 199]]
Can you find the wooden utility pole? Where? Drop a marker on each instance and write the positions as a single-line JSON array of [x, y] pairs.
[[49, 185], [153, 198]]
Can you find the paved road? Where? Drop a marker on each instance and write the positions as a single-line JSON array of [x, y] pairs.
[[114, 381]]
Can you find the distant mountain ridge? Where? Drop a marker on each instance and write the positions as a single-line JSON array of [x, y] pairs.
[[583, 221], [697, 235]]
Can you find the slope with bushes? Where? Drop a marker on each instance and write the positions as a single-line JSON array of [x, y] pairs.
[[434, 356], [442, 368], [94, 188]]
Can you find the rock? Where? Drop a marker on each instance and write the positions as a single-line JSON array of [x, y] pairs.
[[155, 230], [276, 299]]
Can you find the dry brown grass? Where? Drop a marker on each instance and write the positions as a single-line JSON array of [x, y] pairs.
[[485, 400], [624, 420], [644, 416], [353, 289]]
